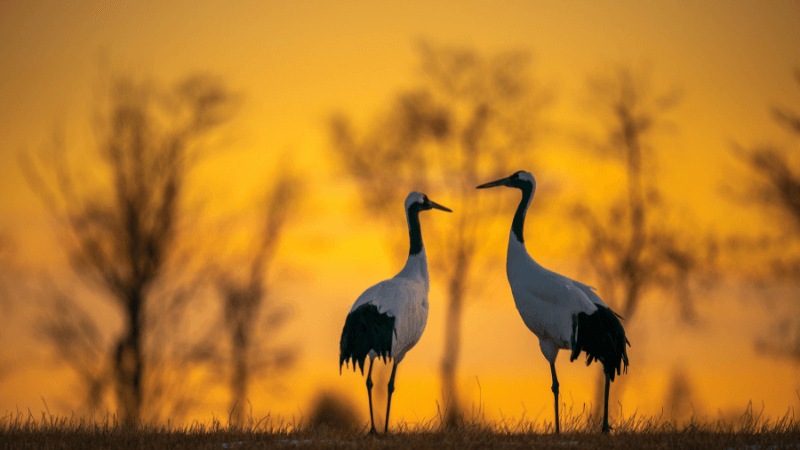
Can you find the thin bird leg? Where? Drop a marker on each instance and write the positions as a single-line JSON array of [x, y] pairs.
[[389, 401], [555, 391], [606, 427], [369, 394]]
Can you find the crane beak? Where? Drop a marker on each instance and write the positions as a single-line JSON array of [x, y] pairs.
[[438, 206], [501, 182]]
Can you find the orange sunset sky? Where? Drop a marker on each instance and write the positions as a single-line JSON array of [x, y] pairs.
[[297, 62]]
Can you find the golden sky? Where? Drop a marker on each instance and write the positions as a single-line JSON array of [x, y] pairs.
[[297, 61]]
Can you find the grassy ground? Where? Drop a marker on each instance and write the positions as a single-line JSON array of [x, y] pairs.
[[749, 432]]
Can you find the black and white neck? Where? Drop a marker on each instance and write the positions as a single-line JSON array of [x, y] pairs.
[[518, 225], [417, 263], [525, 182], [416, 246]]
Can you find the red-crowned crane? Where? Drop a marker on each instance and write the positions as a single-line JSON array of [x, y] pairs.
[[388, 319], [561, 312]]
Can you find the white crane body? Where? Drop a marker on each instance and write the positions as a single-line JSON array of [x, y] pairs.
[[546, 300], [404, 298]]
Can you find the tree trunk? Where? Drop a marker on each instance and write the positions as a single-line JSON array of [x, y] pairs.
[[632, 265], [452, 346], [129, 365], [240, 376], [450, 358]]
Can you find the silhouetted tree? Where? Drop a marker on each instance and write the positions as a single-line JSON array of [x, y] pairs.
[[123, 235], [774, 187], [631, 248], [251, 315], [470, 118]]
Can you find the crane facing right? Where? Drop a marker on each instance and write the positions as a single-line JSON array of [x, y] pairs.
[[561, 312]]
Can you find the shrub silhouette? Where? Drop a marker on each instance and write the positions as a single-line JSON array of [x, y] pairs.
[[333, 411]]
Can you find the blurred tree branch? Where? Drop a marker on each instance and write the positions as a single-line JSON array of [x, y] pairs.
[[632, 248], [774, 188], [471, 118], [77, 340]]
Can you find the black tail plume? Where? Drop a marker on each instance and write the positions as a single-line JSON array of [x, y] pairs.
[[602, 337], [365, 329]]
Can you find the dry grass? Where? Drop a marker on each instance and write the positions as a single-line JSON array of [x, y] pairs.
[[748, 432]]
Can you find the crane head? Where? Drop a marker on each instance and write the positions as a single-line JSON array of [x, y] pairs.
[[519, 180], [422, 202]]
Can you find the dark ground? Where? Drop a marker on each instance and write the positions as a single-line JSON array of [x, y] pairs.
[[749, 433]]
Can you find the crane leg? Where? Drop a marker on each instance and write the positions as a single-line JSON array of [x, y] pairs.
[[389, 401], [606, 427], [369, 394], [555, 391]]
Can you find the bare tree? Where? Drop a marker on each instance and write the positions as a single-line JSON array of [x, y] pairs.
[[123, 235], [248, 305], [470, 118], [631, 250], [774, 188]]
